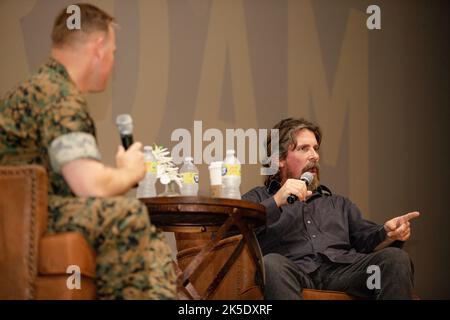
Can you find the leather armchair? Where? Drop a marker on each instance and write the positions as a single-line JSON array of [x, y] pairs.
[[33, 264]]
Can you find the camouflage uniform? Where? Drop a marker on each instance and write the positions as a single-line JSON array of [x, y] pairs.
[[45, 121]]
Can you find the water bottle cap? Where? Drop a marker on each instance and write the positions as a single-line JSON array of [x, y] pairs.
[[230, 151], [148, 148], [188, 159]]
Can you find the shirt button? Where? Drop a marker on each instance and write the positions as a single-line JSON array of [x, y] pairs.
[[308, 222], [313, 235]]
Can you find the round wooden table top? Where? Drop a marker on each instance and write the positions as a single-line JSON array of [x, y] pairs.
[[202, 211]]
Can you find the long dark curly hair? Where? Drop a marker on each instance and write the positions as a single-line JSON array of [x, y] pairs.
[[287, 131]]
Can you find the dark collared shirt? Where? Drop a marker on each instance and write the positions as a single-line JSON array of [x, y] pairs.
[[325, 224]]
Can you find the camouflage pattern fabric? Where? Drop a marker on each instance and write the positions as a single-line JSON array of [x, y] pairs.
[[133, 259]]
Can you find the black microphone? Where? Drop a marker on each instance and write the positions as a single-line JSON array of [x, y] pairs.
[[307, 177], [125, 126]]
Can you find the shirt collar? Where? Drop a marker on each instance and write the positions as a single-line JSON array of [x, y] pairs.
[[57, 67]]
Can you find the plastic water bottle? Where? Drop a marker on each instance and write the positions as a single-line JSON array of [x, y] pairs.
[[146, 188], [231, 176], [189, 172]]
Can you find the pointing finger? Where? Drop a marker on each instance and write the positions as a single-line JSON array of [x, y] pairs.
[[411, 215]]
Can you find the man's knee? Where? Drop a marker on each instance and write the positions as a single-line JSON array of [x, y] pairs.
[[278, 267], [129, 208], [395, 259], [284, 280], [121, 219], [394, 255], [275, 263], [133, 205]]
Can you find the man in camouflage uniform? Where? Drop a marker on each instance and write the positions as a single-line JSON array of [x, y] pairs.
[[45, 121]]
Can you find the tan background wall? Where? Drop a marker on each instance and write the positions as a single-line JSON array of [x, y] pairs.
[[381, 97]]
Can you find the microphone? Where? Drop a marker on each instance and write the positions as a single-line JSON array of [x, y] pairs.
[[307, 178], [125, 126]]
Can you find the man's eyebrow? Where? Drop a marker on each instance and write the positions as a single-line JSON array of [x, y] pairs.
[[308, 144], [315, 145]]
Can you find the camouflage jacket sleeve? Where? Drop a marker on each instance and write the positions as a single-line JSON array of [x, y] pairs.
[[68, 132]]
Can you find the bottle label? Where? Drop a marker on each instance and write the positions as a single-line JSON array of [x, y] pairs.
[[190, 177], [151, 166], [232, 170]]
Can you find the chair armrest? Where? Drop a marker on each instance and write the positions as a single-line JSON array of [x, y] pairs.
[[60, 250], [23, 219]]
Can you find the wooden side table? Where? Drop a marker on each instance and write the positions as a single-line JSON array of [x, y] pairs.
[[219, 215]]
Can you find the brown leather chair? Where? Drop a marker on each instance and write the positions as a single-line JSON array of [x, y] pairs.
[[33, 264]]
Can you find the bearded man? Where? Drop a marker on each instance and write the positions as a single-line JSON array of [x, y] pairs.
[[322, 241]]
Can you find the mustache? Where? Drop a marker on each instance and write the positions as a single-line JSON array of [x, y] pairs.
[[311, 165]]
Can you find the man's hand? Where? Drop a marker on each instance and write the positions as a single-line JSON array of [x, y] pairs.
[[132, 161], [291, 186], [398, 228]]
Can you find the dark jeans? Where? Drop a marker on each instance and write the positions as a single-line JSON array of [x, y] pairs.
[[285, 280]]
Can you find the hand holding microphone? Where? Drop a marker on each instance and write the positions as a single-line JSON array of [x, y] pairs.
[[307, 178], [130, 157], [294, 189], [125, 126]]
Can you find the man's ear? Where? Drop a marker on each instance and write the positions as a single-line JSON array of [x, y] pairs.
[[99, 46]]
